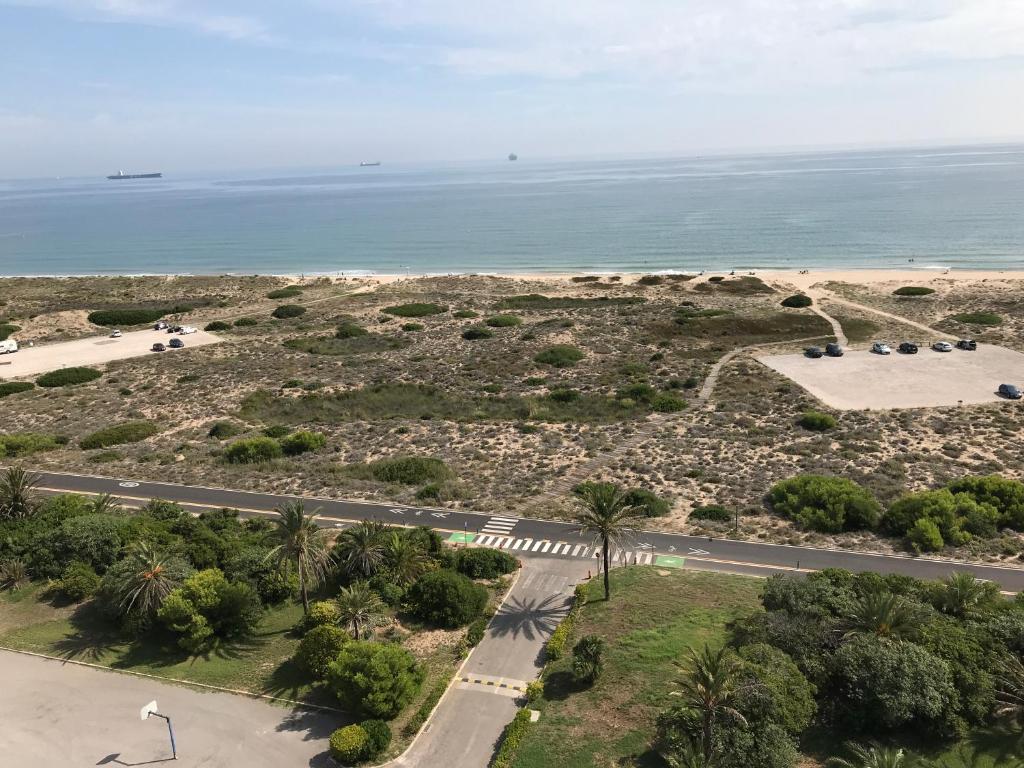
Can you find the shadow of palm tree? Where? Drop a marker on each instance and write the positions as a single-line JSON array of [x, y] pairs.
[[529, 618], [316, 725], [83, 646]]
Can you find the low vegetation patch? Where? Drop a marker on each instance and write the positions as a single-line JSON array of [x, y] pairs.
[[131, 315], [286, 311], [560, 356], [978, 318], [246, 322], [7, 330], [21, 444], [14, 387], [217, 325], [415, 309], [477, 332], [714, 513], [358, 344], [504, 321], [410, 470], [746, 329], [119, 434], [285, 293], [463, 314], [539, 301], [913, 290], [254, 450], [735, 286], [68, 376], [825, 504], [797, 301], [815, 421], [302, 442]]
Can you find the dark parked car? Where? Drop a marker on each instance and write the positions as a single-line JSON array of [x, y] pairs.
[[907, 348], [969, 344], [174, 329], [1011, 391], [158, 347], [833, 350], [813, 352], [176, 343]]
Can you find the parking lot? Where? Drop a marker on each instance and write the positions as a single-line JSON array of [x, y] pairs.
[[861, 379], [95, 350]]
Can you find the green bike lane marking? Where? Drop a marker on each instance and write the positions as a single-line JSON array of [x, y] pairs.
[[461, 538], [669, 561]]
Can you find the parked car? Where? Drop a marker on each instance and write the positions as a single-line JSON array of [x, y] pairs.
[[187, 329], [881, 348], [158, 347], [833, 350], [813, 352], [942, 346], [173, 328], [907, 348], [115, 334], [969, 344], [1010, 391], [8, 347], [159, 325], [176, 343]]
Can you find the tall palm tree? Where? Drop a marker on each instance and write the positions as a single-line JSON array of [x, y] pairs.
[[301, 542], [17, 493], [872, 755], [358, 606], [405, 557], [360, 549], [1010, 692], [711, 682], [151, 577], [605, 513], [884, 614], [963, 595]]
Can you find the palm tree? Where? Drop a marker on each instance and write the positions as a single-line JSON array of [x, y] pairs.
[[105, 504], [301, 543], [360, 549], [1010, 692], [884, 614], [17, 493], [152, 576], [604, 513], [405, 557], [711, 682], [358, 605], [687, 754], [963, 595], [13, 574], [873, 755]]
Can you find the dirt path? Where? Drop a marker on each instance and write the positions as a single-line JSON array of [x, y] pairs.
[[920, 326]]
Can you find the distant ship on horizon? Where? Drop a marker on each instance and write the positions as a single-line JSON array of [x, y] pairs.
[[123, 175], [369, 163], [513, 156]]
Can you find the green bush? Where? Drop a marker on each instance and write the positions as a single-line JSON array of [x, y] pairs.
[[253, 450], [564, 395], [588, 658], [477, 332], [349, 745], [349, 330], [559, 356], [276, 431], [978, 318], [555, 647], [465, 313], [651, 280], [302, 442], [504, 321], [666, 403], [826, 504], [476, 631], [78, 582], [246, 322], [208, 607], [319, 647], [378, 734], [128, 316], [412, 327], [641, 392], [447, 599], [534, 691], [954, 516], [924, 536], [512, 737], [285, 293], [26, 443], [321, 613], [7, 330], [375, 679], [222, 430], [484, 563], [217, 325], [797, 301], [410, 470], [712, 512], [1006, 496], [286, 311], [647, 502], [119, 434], [539, 301], [913, 290], [14, 387], [815, 421], [67, 376], [415, 310]]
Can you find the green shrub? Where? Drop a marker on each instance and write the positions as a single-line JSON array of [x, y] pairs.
[[319, 647], [539, 301], [797, 301], [321, 613], [826, 504], [504, 321], [374, 679], [14, 387], [588, 658], [415, 310], [465, 313], [7, 330], [484, 563], [511, 738], [253, 450], [349, 330], [349, 745], [712, 512], [447, 599], [286, 311], [640, 392], [410, 470], [302, 442], [559, 356], [412, 327], [207, 607], [222, 430], [424, 709], [648, 503], [554, 649], [534, 691], [217, 325], [816, 421], [119, 434], [1006, 496], [475, 632], [276, 431], [68, 376], [78, 582], [955, 515], [25, 444], [978, 318], [913, 290], [924, 536], [651, 280], [378, 734], [666, 403], [285, 293], [564, 395], [128, 316], [246, 322], [477, 332]]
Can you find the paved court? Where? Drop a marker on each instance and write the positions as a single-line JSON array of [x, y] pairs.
[[94, 350], [861, 379]]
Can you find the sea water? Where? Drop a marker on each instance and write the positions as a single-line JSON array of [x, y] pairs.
[[959, 207]]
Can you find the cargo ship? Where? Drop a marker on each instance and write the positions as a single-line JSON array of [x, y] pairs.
[[512, 156], [123, 175], [369, 164]]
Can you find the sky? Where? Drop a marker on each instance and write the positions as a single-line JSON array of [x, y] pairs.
[[91, 86]]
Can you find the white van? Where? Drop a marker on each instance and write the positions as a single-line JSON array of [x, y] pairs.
[[8, 346]]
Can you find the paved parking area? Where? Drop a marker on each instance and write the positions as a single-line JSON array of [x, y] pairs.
[[861, 380], [95, 350]]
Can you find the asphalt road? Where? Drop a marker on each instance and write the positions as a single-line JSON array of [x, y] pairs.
[[717, 554]]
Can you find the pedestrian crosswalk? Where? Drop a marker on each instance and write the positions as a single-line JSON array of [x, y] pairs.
[[619, 556], [499, 525]]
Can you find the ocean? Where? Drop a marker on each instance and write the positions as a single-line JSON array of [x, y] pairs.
[[959, 207]]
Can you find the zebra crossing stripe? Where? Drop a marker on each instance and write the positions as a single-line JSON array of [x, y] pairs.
[[520, 542], [576, 551], [485, 540], [536, 546]]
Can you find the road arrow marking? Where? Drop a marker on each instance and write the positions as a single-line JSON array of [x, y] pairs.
[[699, 551]]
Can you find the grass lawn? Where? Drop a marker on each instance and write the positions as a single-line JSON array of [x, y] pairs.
[[652, 618]]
